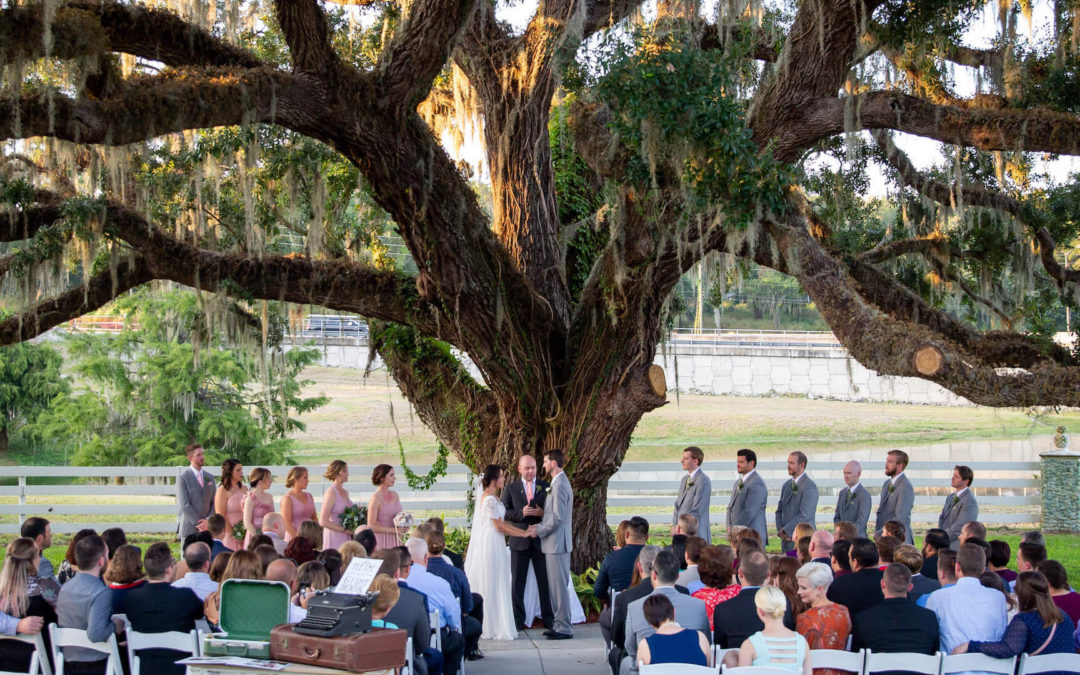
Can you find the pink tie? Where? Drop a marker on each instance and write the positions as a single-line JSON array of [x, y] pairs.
[[529, 491], [199, 476]]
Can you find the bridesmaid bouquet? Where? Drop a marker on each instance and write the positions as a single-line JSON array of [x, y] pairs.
[[238, 531], [353, 517]]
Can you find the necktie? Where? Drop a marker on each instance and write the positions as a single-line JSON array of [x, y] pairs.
[[529, 491], [198, 475]]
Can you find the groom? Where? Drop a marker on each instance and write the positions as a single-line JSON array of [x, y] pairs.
[[556, 542], [524, 501]]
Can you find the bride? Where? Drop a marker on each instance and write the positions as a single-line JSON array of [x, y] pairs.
[[487, 564]]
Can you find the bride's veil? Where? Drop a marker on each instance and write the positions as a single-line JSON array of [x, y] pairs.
[[478, 496]]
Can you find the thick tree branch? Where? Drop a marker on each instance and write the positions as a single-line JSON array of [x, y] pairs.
[[714, 37], [974, 58], [601, 14], [16, 225], [307, 34], [1061, 275], [419, 50]]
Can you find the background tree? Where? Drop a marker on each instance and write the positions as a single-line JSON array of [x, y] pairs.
[[30, 379], [698, 136]]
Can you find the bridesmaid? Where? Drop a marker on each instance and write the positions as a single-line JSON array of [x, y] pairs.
[[383, 506], [334, 503], [258, 503], [229, 499], [297, 505]]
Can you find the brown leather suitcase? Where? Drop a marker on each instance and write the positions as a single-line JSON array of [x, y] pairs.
[[381, 648]]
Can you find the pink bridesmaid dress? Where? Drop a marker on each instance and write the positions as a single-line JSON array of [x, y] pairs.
[[388, 510], [333, 538], [234, 513], [257, 514], [301, 511]]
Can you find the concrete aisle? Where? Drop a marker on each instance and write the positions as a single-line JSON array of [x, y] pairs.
[[532, 654]]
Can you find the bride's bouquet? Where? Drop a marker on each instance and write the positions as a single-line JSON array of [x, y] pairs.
[[353, 517]]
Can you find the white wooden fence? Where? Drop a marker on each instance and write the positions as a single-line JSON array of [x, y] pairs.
[[143, 499]]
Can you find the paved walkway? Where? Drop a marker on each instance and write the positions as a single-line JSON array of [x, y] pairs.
[[532, 654]]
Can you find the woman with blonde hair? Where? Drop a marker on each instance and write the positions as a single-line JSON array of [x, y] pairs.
[[349, 550], [297, 505], [258, 502], [388, 596], [242, 565], [229, 499], [23, 595], [335, 501], [774, 645], [824, 624], [383, 507]]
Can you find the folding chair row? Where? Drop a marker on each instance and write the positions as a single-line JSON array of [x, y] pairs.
[[867, 663], [39, 658]]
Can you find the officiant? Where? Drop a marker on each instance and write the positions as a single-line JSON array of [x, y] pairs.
[[524, 500]]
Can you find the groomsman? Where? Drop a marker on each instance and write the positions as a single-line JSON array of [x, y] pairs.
[[853, 503], [798, 501], [695, 490], [748, 497], [897, 494], [960, 507], [524, 501], [195, 493]]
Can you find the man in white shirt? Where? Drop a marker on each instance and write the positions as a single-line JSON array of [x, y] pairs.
[[440, 599], [197, 557], [967, 610]]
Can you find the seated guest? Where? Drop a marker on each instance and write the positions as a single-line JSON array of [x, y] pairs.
[[366, 538], [1028, 556], [86, 602], [967, 610], [991, 580], [24, 594], [802, 550], [744, 546], [821, 545], [273, 526], [775, 644], [908, 556], [643, 587], [123, 574], [1064, 597], [39, 530], [331, 560], [846, 530], [981, 543], [349, 550], [67, 565], [313, 532], [998, 560], [886, 547], [197, 580], [1033, 537], [242, 565], [685, 527], [620, 534], [311, 577], [219, 565], [299, 549], [471, 625], [716, 569], [256, 540], [862, 588], [824, 624], [389, 592], [452, 556], [284, 570], [691, 611], [267, 554], [782, 571], [689, 576], [840, 558], [736, 619], [440, 600], [801, 530], [896, 624], [670, 643], [946, 569], [894, 528], [158, 607], [972, 528], [181, 567], [409, 613], [1039, 628], [617, 570], [114, 538], [935, 540], [216, 524]]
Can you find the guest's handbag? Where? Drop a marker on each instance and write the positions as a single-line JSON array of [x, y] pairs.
[[359, 652]]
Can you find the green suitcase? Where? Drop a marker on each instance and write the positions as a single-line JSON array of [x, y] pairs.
[[249, 611]]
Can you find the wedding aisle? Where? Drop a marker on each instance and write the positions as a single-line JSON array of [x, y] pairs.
[[531, 654]]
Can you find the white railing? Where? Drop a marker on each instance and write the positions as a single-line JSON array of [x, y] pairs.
[[143, 499]]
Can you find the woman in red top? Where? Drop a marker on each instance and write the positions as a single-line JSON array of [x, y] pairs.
[[715, 571]]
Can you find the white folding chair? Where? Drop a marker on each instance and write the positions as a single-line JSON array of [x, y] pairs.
[[409, 656], [436, 636], [174, 640], [909, 661], [851, 662], [677, 669], [718, 653], [1029, 665], [76, 637], [611, 608], [39, 659], [755, 670], [958, 663]]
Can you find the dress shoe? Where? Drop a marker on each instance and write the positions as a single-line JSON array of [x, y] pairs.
[[474, 655], [560, 636], [522, 626], [549, 633]]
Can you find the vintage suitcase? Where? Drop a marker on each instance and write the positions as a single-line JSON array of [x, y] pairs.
[[249, 611], [381, 648]]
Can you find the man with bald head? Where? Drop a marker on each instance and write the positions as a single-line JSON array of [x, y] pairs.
[[821, 543], [854, 502], [524, 501], [284, 570]]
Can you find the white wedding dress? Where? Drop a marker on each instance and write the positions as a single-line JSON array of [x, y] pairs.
[[487, 565]]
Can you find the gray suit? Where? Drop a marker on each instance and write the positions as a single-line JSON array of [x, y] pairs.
[[85, 602], [796, 506], [955, 514], [854, 508], [196, 502], [896, 505], [557, 541], [689, 612], [695, 501], [747, 506]]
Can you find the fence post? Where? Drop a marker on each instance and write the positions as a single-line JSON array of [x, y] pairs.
[[22, 499], [1060, 497]]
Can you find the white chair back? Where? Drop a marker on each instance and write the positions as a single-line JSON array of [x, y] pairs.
[[1029, 665], [174, 640], [39, 658], [909, 661], [851, 662], [756, 670], [718, 653], [409, 656], [958, 663], [675, 669], [76, 637]]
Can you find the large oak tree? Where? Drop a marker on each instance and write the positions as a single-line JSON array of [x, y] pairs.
[[677, 140]]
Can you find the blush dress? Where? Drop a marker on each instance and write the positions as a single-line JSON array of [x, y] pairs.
[[388, 510], [333, 538], [301, 511], [234, 513], [257, 514]]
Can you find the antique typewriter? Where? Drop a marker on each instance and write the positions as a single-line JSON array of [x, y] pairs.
[[332, 614]]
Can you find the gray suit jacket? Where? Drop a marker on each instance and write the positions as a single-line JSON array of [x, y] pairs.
[[954, 516], [695, 501], [85, 602], [689, 612], [796, 506], [896, 505], [554, 529], [688, 576], [409, 613], [747, 506], [854, 509], [196, 502]]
